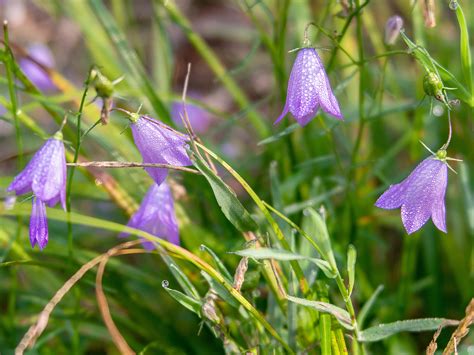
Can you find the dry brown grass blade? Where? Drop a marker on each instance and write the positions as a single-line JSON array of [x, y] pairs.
[[37, 329], [430, 350], [117, 337], [462, 329]]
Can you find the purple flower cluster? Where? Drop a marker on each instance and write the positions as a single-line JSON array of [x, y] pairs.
[[158, 143], [45, 177]]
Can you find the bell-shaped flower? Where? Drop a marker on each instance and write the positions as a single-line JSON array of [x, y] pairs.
[[199, 118], [45, 176], [392, 29], [156, 215], [309, 89], [159, 144], [420, 196], [37, 74]]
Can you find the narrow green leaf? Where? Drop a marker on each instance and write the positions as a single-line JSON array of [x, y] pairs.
[[186, 301], [383, 331], [351, 262], [138, 74], [183, 281], [226, 198], [430, 64], [340, 314], [315, 226], [220, 265], [368, 306], [283, 255], [220, 290], [466, 62]]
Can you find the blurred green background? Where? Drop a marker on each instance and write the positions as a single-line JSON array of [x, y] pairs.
[[240, 67]]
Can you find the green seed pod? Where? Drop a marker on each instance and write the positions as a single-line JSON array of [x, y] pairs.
[[432, 85]]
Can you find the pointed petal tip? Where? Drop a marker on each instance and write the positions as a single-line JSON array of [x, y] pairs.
[[282, 115]]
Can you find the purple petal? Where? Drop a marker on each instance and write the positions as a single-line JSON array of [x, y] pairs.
[[392, 198], [157, 143], [37, 75], [438, 214], [326, 97], [302, 94], [199, 118], [49, 180], [283, 113], [38, 224], [156, 215]]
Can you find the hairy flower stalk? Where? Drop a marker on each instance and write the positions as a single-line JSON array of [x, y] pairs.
[[421, 195], [156, 215], [45, 176], [158, 143], [309, 89]]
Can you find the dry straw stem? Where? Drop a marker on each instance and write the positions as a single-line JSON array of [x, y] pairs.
[[118, 165], [117, 338], [37, 329], [430, 350], [429, 13], [462, 329]]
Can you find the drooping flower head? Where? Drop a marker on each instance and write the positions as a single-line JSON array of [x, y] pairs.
[[309, 89], [156, 215], [420, 196], [37, 75], [45, 176], [159, 143], [392, 29], [199, 118]]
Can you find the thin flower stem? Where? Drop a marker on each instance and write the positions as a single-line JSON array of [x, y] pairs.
[[118, 165], [303, 283], [76, 156], [187, 122], [339, 281], [11, 91], [450, 130]]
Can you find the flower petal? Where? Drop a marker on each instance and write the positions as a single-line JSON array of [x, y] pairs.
[[421, 191], [438, 209], [302, 90], [326, 98], [38, 224], [49, 180], [159, 144]]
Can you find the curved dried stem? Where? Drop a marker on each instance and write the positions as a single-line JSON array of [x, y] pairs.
[[37, 329], [117, 337]]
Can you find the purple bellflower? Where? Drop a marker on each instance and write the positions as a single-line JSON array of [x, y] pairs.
[[156, 215], [37, 75], [45, 176], [199, 118], [420, 195], [309, 89], [159, 144]]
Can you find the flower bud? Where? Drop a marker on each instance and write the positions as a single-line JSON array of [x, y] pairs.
[[392, 29], [432, 85], [102, 85], [104, 89]]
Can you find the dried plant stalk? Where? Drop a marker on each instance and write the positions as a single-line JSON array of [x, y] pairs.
[[37, 329], [462, 329]]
